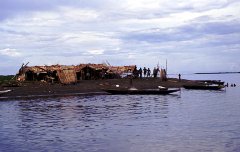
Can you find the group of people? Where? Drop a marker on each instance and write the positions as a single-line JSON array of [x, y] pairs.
[[232, 85], [146, 72]]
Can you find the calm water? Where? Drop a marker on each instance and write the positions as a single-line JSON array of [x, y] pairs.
[[187, 121]]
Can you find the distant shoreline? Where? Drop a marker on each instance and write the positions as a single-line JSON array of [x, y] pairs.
[[216, 72]]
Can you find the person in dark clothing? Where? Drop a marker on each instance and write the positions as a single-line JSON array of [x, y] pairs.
[[158, 71], [148, 72], [179, 77], [135, 72], [154, 72], [140, 72], [144, 71]]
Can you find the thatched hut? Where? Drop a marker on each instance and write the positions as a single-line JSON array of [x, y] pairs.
[[90, 71], [71, 74], [61, 73], [121, 71]]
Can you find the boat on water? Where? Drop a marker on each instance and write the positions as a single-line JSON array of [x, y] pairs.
[[211, 82], [141, 91], [204, 87]]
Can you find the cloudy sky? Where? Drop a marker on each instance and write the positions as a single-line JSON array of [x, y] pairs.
[[193, 35]]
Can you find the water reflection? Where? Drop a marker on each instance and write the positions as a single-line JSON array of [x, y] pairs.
[[192, 120], [41, 116]]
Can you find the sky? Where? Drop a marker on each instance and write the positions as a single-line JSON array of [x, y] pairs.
[[192, 35]]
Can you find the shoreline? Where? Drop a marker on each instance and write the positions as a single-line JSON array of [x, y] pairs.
[[36, 89]]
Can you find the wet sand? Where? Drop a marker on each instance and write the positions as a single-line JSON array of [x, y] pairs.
[[86, 87]]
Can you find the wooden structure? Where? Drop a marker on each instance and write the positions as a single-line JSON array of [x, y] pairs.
[[163, 75], [91, 71], [67, 75], [117, 71], [61, 73], [71, 74]]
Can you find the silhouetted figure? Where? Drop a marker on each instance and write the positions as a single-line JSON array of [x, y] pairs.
[[148, 72], [158, 71], [144, 71], [179, 77], [226, 85], [154, 72], [140, 72], [233, 85], [135, 72]]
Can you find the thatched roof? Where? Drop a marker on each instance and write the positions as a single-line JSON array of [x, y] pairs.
[[93, 66], [121, 69], [67, 74], [43, 69]]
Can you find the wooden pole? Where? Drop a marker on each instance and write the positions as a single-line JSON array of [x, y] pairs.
[[166, 67]]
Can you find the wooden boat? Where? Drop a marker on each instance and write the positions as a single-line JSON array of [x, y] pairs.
[[4, 91], [217, 82], [141, 92], [204, 87]]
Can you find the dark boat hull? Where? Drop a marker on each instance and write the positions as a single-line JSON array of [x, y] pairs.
[[218, 82], [203, 87], [141, 92]]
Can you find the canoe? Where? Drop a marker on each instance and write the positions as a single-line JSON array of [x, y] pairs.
[[217, 82], [4, 91], [141, 92], [204, 87]]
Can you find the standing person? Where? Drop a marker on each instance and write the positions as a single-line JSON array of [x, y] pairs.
[[179, 77], [158, 71], [140, 72], [148, 72], [144, 71], [135, 72], [154, 72]]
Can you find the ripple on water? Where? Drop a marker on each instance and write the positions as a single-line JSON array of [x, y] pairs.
[[196, 120]]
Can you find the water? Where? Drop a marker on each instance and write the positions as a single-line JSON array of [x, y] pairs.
[[187, 121]]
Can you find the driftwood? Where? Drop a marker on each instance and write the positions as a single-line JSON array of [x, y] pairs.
[[20, 71]]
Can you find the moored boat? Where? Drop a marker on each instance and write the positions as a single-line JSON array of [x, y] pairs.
[[4, 91], [141, 91], [211, 82], [204, 87]]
